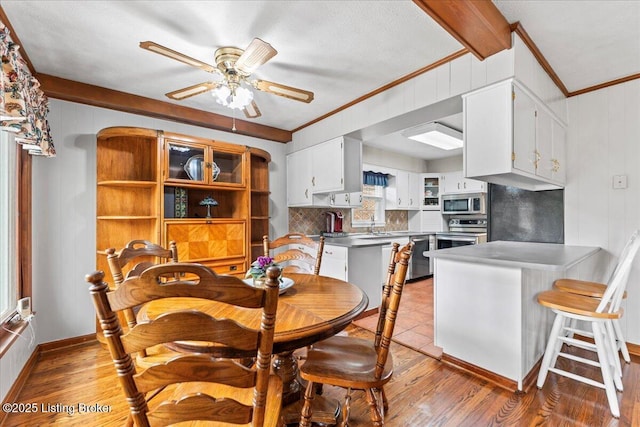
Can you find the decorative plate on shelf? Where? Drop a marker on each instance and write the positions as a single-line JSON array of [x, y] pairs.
[[215, 171], [285, 284], [194, 167]]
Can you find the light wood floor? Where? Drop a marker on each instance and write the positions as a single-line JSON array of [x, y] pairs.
[[423, 392]]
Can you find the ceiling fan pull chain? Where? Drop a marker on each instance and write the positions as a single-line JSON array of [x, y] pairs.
[[233, 128]]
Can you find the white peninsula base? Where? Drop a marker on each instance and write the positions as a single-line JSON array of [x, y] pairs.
[[487, 319]]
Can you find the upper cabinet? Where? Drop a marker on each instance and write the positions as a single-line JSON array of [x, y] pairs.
[[512, 138], [198, 163], [337, 166], [431, 187], [403, 192], [334, 166], [299, 176], [455, 182]]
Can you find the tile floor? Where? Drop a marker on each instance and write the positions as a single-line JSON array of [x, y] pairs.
[[414, 325]]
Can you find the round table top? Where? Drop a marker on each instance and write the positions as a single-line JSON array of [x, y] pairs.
[[315, 308]]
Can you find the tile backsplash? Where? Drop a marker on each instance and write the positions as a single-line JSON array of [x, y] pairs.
[[312, 221]]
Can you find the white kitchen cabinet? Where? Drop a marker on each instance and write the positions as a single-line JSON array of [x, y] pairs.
[[386, 256], [345, 200], [334, 166], [430, 187], [353, 264], [512, 138], [334, 262], [455, 182], [299, 189], [403, 191], [337, 166]]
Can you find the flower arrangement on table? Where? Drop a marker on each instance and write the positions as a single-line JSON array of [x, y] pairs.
[[259, 268]]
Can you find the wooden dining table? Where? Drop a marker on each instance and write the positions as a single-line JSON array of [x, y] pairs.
[[315, 308]]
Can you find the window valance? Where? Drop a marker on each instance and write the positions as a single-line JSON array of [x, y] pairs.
[[23, 105], [375, 178]]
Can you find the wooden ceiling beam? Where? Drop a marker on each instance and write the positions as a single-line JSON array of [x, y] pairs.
[[69, 90], [477, 24]]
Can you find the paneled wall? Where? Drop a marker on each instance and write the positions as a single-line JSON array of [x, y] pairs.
[[603, 141]]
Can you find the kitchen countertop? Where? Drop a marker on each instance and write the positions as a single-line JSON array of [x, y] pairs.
[[358, 240], [541, 256]]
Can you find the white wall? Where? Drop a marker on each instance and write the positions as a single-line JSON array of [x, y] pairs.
[[604, 140], [388, 159], [64, 210]]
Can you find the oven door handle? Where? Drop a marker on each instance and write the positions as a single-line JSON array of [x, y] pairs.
[[457, 238]]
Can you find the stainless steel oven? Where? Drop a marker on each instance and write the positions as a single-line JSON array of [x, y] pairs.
[[462, 232], [446, 240]]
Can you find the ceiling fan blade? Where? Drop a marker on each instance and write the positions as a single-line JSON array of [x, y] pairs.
[[252, 111], [283, 90], [190, 91], [170, 53], [257, 53]]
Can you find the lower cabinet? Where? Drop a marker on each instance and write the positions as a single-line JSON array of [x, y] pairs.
[[353, 264], [203, 241], [334, 262]]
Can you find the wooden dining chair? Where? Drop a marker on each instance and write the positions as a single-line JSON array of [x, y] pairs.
[[193, 386], [356, 363], [294, 252], [146, 254], [597, 290], [599, 314]]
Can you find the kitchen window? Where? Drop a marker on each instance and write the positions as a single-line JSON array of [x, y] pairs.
[[9, 284], [372, 209]]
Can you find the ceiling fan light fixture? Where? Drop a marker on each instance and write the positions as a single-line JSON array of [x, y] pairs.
[[237, 99], [435, 134]]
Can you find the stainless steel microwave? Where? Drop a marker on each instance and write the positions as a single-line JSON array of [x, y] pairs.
[[464, 203]]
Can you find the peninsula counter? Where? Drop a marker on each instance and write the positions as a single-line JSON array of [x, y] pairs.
[[487, 319]]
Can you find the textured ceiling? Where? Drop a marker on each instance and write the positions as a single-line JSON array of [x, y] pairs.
[[340, 50], [586, 42]]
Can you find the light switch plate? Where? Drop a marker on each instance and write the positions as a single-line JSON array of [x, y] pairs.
[[619, 181]]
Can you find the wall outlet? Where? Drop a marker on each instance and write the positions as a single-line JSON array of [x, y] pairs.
[[24, 307], [619, 181]]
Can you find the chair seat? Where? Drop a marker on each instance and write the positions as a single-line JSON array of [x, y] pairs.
[[244, 396], [575, 304], [345, 361], [582, 287]]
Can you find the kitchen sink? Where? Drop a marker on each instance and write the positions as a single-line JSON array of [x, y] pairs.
[[373, 236]]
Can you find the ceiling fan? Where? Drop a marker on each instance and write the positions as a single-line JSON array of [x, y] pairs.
[[235, 66]]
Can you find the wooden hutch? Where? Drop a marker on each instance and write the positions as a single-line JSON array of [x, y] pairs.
[[151, 185]]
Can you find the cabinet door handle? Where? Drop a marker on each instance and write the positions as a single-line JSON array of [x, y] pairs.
[[313, 181], [306, 193], [464, 185], [233, 268], [346, 197]]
